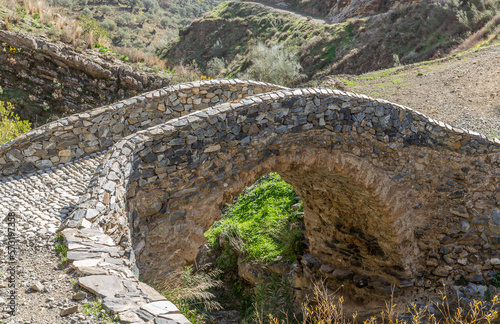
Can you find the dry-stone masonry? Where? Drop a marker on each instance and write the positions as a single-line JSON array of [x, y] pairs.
[[47, 74], [391, 197], [44, 196], [85, 133]]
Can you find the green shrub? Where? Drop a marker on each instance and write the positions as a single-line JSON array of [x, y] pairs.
[[106, 9], [141, 19], [120, 21], [63, 3], [164, 22], [151, 5], [109, 25], [87, 12], [11, 124], [93, 27], [138, 43], [123, 33], [275, 64]]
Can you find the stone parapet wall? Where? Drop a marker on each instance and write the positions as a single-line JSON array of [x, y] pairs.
[[99, 129], [416, 197]]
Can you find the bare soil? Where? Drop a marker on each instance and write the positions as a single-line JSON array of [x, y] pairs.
[[463, 90]]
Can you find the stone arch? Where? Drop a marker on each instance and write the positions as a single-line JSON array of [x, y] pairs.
[[355, 217], [158, 190]]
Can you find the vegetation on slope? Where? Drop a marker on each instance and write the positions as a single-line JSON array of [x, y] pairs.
[[261, 223], [263, 226], [408, 34], [137, 26], [43, 89]]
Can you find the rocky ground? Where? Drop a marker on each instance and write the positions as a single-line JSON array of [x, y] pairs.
[[462, 91], [44, 286]]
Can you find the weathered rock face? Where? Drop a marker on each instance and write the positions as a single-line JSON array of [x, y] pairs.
[[54, 78]]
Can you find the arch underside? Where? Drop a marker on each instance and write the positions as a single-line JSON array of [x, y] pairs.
[[356, 217]]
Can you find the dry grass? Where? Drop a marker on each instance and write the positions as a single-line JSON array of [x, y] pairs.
[[185, 72], [326, 307], [72, 31], [137, 55], [191, 289], [482, 36]]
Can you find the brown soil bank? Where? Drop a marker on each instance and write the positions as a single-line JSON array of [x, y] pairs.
[[462, 90]]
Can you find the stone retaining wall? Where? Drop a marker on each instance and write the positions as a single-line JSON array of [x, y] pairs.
[[99, 129], [389, 194], [47, 77]]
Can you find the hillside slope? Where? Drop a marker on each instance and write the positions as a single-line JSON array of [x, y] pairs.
[[337, 10], [461, 90], [411, 33]]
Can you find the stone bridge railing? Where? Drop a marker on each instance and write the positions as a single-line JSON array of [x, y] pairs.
[[388, 193], [99, 129]]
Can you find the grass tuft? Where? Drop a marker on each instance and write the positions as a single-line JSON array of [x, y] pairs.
[[261, 224]]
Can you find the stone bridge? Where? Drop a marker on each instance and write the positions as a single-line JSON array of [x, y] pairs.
[[390, 195]]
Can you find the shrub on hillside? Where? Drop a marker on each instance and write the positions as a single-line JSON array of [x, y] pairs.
[[151, 5], [106, 10], [216, 67], [109, 25], [87, 12], [275, 64], [95, 31], [141, 19], [120, 21], [62, 3], [164, 22]]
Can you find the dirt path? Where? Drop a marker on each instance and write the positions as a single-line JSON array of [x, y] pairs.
[[314, 19], [463, 91]]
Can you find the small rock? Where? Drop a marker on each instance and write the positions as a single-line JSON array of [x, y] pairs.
[[69, 310], [38, 286], [444, 250], [495, 261], [325, 268], [441, 271], [495, 216], [475, 278], [342, 274], [79, 296], [360, 281]]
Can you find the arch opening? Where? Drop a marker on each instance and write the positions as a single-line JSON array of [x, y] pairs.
[[354, 219]]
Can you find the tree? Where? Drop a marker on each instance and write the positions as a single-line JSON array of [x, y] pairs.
[[134, 5]]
